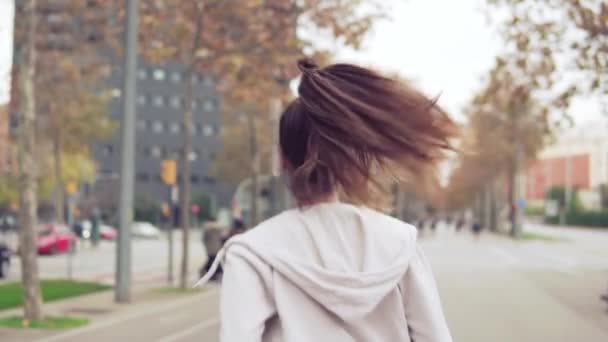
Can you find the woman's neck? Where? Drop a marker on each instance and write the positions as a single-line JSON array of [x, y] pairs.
[[329, 198]]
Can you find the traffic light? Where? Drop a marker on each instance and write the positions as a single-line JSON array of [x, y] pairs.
[[166, 210], [168, 172]]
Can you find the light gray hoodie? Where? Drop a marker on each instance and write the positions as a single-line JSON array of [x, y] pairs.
[[330, 272]]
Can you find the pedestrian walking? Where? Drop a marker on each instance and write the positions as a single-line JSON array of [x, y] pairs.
[[327, 270], [460, 224], [213, 236], [476, 227]]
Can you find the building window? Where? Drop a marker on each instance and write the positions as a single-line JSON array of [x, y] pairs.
[[107, 150], [54, 18], [207, 130], [158, 126], [156, 151], [93, 37], [175, 102], [195, 179], [209, 180], [175, 127], [208, 82], [142, 74], [142, 125], [159, 101], [209, 106], [159, 74], [193, 156], [142, 99], [143, 177], [176, 76]]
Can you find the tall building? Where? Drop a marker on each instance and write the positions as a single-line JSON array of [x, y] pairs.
[[159, 129], [81, 28], [578, 159]]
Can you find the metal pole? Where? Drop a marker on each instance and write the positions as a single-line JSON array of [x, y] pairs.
[[70, 223], [122, 289], [173, 197], [568, 190]]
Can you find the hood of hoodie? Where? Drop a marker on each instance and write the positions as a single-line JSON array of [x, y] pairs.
[[345, 258]]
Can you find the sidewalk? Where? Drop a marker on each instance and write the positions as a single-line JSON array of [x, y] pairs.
[[102, 311]]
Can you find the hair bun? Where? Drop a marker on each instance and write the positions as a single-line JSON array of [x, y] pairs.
[[307, 66]]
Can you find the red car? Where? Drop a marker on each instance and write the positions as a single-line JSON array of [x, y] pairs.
[[55, 238], [107, 232]]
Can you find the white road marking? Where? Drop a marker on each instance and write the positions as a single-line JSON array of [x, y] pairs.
[[193, 329], [126, 317]]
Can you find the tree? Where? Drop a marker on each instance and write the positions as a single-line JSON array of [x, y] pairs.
[[507, 127], [73, 41], [240, 42], [559, 46], [28, 166]]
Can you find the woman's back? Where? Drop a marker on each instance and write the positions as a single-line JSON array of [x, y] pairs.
[[329, 272]]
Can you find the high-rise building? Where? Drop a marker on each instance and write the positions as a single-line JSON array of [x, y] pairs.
[[159, 133], [69, 27]]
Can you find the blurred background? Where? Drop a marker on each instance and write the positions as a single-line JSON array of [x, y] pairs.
[[133, 133]]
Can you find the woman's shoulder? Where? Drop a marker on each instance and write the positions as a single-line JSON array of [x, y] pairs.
[[269, 229]]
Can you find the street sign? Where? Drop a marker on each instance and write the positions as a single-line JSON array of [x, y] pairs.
[[71, 188], [168, 171]]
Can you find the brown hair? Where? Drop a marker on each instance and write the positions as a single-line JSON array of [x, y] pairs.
[[349, 123]]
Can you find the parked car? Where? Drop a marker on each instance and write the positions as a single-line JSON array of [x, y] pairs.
[[55, 238], [145, 230], [5, 260], [84, 230], [107, 232]]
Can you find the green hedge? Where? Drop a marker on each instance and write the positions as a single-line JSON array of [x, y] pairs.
[[586, 218], [535, 211]]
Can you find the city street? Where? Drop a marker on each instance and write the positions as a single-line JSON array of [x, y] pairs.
[[149, 256], [493, 289]]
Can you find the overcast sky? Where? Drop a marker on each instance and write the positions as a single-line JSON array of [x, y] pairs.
[[445, 46]]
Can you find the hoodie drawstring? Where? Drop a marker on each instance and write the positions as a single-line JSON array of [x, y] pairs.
[[213, 269]]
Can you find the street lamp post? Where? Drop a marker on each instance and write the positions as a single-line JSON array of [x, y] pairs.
[[122, 289]]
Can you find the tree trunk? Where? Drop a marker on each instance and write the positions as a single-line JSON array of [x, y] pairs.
[[185, 193], [514, 194], [255, 168], [28, 170], [188, 122], [59, 183]]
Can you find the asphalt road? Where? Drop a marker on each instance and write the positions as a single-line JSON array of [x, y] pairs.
[[493, 289], [149, 260]]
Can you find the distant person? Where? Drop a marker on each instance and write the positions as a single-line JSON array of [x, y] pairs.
[[434, 223], [327, 270], [213, 235], [460, 223], [476, 227]]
